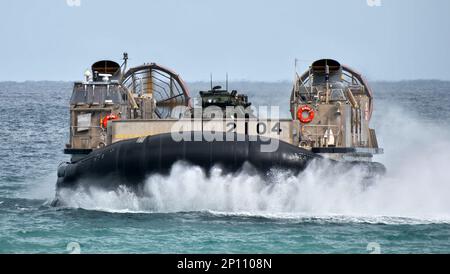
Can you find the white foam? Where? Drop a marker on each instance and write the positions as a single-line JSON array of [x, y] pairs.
[[415, 190]]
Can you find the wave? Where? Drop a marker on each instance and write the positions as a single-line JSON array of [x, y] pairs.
[[415, 189]]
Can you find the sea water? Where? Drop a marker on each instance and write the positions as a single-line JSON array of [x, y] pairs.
[[318, 211]]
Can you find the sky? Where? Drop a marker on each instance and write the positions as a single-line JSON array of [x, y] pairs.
[[256, 40]]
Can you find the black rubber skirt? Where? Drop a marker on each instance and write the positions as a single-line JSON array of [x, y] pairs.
[[130, 162]]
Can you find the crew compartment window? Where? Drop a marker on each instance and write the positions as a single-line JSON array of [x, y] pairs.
[[96, 95]]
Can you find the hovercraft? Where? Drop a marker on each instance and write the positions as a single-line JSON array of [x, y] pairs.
[[127, 124]]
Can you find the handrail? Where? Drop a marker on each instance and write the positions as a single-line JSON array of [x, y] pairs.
[[315, 135]]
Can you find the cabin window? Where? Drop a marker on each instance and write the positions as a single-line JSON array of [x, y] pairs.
[[96, 95]]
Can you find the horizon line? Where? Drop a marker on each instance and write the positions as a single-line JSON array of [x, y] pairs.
[[236, 81]]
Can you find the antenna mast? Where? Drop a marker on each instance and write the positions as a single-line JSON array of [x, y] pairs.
[[125, 61], [211, 79], [227, 82]]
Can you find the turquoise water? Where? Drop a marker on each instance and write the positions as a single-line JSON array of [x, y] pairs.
[[408, 211]]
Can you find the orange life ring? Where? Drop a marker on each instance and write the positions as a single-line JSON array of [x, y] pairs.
[[309, 117], [104, 121]]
